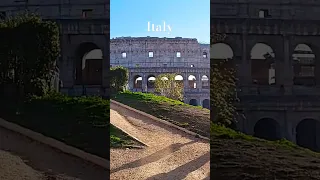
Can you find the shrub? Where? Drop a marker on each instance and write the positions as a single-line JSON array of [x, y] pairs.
[[118, 78], [29, 49]]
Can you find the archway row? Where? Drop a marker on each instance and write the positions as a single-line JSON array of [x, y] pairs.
[[192, 81], [263, 63], [307, 132], [205, 103]]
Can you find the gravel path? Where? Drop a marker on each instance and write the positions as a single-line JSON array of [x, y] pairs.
[[171, 155], [24, 159]]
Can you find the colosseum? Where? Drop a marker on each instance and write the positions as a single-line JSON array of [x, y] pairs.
[[147, 57], [274, 46]]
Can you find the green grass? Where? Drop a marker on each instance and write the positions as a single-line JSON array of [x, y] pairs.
[[120, 139], [194, 118], [235, 155], [82, 122]]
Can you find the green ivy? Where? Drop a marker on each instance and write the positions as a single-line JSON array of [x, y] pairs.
[[29, 49], [223, 90]]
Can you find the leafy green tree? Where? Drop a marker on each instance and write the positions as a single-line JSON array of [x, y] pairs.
[[166, 85], [223, 90], [119, 78]]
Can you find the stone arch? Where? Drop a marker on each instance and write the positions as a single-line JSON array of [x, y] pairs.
[[88, 64], [220, 52], [206, 103], [192, 81], [205, 82], [267, 128], [179, 79], [193, 102], [150, 81], [304, 64], [137, 82], [263, 65], [308, 134], [164, 78], [205, 55]]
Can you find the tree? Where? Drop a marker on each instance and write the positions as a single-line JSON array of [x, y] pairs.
[[29, 50], [166, 85], [119, 78], [223, 90]]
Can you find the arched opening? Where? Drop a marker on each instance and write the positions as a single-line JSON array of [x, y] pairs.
[[205, 55], [164, 78], [88, 65], [192, 82], [193, 102], [307, 135], [263, 69], [205, 82], [137, 84], [179, 79], [303, 66], [220, 52], [151, 81], [206, 103], [268, 129]]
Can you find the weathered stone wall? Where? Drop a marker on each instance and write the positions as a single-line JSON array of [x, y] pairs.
[[287, 24], [164, 60], [282, 9], [57, 9], [164, 52], [76, 30]]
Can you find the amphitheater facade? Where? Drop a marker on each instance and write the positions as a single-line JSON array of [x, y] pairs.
[[148, 57], [274, 46]]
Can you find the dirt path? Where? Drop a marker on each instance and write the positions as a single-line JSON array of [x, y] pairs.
[[171, 153], [24, 159]]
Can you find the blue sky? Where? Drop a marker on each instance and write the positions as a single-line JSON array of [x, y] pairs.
[[187, 18]]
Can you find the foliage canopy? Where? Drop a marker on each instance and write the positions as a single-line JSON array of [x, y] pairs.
[[223, 89], [166, 85], [118, 78], [29, 50]]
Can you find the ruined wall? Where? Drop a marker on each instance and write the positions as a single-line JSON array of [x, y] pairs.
[[164, 52], [57, 9], [277, 9], [191, 62]]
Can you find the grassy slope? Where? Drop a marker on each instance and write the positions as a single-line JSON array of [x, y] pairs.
[[80, 122], [119, 139], [193, 118], [238, 156], [234, 156]]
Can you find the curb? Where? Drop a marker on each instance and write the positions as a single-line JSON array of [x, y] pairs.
[[55, 144], [113, 102]]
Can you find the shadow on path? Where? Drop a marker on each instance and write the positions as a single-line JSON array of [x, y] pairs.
[[46, 159], [153, 157], [182, 171]]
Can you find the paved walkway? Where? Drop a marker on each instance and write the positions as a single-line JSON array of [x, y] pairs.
[[171, 155], [24, 159]]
